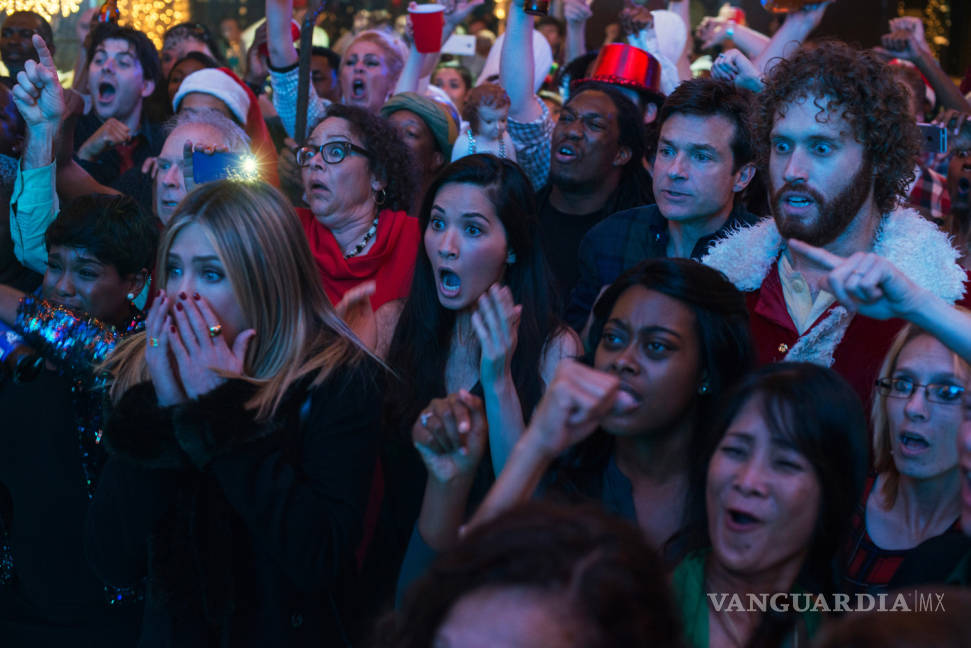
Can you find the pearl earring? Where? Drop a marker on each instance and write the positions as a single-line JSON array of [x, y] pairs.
[[130, 296]]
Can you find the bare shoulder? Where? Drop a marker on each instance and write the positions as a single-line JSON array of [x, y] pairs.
[[565, 344]]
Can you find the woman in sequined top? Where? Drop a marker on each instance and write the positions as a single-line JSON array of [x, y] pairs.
[[243, 434], [100, 249]]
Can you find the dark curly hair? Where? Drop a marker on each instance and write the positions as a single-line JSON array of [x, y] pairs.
[[865, 91], [391, 160], [610, 582]]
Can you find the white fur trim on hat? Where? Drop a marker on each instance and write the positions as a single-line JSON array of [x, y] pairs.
[[217, 83]]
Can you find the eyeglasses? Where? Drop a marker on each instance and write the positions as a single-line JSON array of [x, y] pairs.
[[331, 152], [934, 392]]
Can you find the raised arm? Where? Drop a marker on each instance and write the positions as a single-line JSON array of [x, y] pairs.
[[793, 32], [33, 206], [516, 65], [576, 13], [279, 42]]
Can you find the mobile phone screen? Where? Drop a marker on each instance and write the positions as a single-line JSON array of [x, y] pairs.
[[207, 167], [933, 138]]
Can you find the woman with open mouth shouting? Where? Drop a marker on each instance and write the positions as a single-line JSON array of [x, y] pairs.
[[912, 504], [480, 317], [786, 464]]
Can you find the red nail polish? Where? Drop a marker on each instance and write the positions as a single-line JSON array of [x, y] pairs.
[[172, 328], [178, 305], [181, 295], [195, 296]]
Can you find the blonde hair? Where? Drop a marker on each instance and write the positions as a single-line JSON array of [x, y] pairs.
[[262, 246], [883, 462], [394, 52]]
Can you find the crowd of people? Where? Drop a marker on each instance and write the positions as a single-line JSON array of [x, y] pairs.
[[554, 343]]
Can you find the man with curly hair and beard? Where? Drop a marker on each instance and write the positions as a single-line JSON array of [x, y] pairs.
[[838, 145]]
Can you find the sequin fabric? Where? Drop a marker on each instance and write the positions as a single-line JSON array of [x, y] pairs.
[[75, 344]]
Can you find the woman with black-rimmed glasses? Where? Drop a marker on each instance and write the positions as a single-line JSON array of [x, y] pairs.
[[911, 505], [359, 179]]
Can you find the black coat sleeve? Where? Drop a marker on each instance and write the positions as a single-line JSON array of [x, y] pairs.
[[307, 514]]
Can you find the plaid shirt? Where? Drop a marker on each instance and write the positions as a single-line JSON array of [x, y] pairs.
[[533, 141], [929, 196], [623, 240], [284, 82]]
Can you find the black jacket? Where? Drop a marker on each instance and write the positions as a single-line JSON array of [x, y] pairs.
[[245, 530]]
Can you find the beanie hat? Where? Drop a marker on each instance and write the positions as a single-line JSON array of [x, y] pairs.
[[444, 128]]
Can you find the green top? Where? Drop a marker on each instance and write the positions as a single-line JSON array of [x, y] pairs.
[[688, 582]]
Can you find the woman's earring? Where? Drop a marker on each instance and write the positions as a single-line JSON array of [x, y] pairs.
[[704, 388], [511, 257], [380, 196], [130, 296]]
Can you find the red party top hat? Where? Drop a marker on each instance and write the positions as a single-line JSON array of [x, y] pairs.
[[627, 66]]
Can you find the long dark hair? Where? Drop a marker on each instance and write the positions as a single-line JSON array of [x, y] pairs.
[[610, 582], [727, 354], [819, 413], [419, 348]]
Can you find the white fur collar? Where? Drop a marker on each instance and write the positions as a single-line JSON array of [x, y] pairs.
[[912, 243]]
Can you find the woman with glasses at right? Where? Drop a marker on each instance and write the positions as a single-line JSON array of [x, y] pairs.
[[358, 179], [914, 495]]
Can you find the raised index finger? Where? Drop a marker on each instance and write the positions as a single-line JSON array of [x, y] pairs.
[[819, 256], [43, 54]]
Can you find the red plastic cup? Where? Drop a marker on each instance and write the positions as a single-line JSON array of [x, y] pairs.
[[427, 22]]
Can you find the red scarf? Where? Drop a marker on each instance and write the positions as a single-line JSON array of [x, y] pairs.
[[390, 262]]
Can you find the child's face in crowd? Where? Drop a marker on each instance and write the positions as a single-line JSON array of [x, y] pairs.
[[116, 80], [77, 279], [364, 78], [923, 433], [762, 496], [193, 267], [453, 84], [651, 343], [466, 244], [492, 122], [817, 173]]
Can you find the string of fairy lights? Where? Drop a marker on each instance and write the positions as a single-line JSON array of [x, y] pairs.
[[150, 16]]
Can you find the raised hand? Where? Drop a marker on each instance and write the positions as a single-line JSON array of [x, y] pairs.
[[159, 328], [915, 26], [573, 406], [451, 435], [866, 283], [355, 309], [496, 324], [634, 18], [734, 66], [38, 94], [712, 31], [203, 356], [577, 11], [456, 11]]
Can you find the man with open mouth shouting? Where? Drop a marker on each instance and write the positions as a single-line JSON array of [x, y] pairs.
[[115, 135]]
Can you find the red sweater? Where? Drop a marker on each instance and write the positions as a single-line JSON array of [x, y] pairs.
[[390, 262]]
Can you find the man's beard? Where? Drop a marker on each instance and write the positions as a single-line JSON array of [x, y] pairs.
[[571, 185], [833, 216]]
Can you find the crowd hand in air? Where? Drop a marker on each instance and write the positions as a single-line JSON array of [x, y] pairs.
[[38, 94], [451, 436], [734, 66], [712, 31], [915, 26], [573, 406], [496, 324], [904, 44], [577, 11], [457, 11], [355, 309], [635, 17]]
